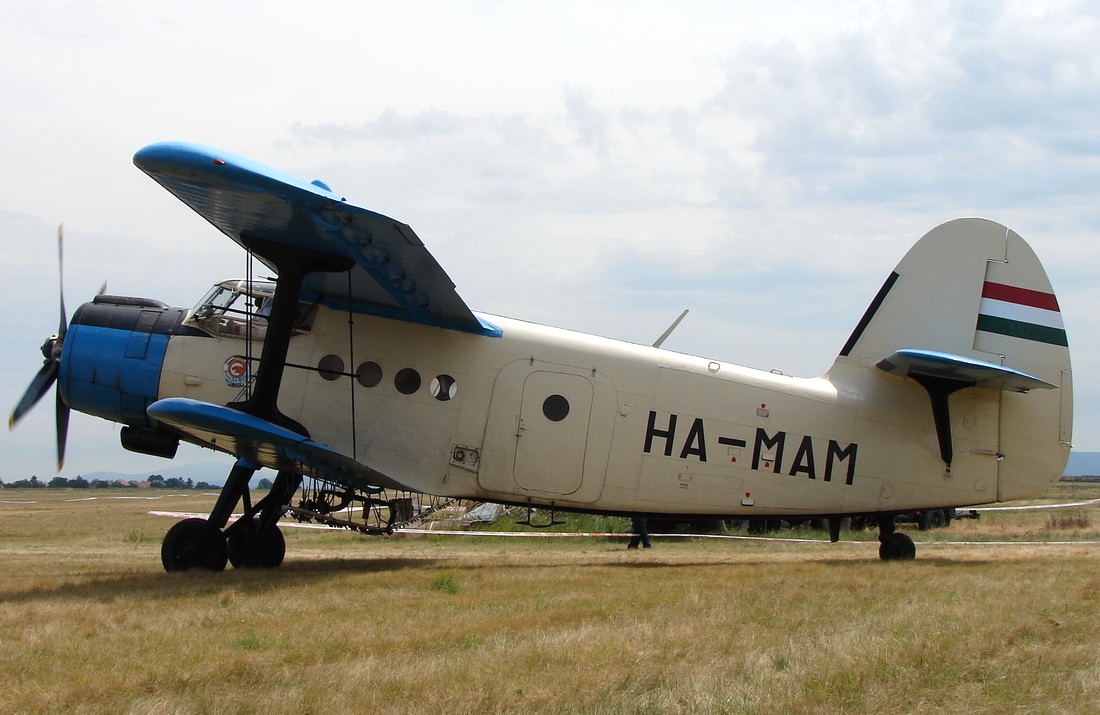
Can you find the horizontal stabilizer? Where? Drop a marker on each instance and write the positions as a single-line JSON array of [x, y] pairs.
[[960, 369], [243, 435]]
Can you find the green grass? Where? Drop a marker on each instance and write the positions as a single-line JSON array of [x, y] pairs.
[[90, 623], [445, 582]]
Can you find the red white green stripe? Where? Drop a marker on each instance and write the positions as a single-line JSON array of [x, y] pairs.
[[1021, 313]]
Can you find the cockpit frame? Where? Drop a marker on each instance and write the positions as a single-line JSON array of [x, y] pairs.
[[238, 309]]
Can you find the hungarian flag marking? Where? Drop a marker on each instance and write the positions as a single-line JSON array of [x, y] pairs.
[[1021, 313]]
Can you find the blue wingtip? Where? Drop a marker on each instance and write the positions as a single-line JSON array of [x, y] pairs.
[[184, 160], [165, 155]]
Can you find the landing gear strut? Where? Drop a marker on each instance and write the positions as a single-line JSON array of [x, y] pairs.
[[255, 541], [893, 545]]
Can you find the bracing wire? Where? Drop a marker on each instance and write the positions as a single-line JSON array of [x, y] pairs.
[[351, 367], [249, 310]]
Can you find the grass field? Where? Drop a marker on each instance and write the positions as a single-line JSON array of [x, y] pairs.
[[89, 622]]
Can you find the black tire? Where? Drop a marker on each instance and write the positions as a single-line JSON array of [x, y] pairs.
[[897, 547], [194, 544], [931, 519], [249, 549]]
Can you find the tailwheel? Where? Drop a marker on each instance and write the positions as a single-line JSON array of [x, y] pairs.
[[194, 544], [893, 545], [897, 547], [251, 547]]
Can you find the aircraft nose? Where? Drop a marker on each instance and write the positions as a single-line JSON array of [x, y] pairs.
[[112, 356]]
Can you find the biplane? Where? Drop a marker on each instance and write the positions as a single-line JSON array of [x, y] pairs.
[[359, 369]]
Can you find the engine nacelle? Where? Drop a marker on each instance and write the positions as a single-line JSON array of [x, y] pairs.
[[114, 349]]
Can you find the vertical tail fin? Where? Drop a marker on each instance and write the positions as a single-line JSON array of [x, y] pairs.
[[972, 292], [969, 287]]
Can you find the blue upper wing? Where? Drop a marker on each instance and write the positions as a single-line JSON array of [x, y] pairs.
[[394, 274]]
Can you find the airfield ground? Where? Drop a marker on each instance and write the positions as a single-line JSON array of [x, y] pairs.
[[90, 623]]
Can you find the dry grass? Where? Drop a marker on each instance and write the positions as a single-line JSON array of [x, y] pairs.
[[90, 623]]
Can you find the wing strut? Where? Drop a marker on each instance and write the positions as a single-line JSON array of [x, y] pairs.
[[256, 539], [293, 265]]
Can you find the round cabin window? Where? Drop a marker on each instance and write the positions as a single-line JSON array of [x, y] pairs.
[[556, 408], [443, 387], [331, 367], [369, 374], [407, 381]]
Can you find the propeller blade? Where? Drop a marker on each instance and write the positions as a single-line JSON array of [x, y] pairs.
[[61, 281], [62, 419], [47, 374], [38, 387]]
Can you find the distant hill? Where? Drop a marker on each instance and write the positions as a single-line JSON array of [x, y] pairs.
[[1083, 464], [209, 472]]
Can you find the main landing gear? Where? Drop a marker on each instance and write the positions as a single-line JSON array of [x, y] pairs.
[[253, 541]]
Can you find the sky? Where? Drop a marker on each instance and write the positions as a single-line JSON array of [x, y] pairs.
[[598, 166]]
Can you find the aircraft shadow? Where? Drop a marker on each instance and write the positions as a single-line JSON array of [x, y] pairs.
[[158, 585]]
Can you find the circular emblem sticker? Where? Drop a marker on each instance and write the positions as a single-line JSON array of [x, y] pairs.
[[235, 371]]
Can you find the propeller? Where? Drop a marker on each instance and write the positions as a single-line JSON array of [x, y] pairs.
[[47, 375]]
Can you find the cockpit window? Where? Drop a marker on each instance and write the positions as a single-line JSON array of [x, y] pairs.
[[215, 302], [239, 309]]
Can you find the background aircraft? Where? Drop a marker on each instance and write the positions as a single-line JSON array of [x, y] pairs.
[[362, 370]]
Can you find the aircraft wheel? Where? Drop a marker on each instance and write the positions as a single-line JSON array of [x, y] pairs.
[[193, 544], [897, 547], [931, 519], [250, 549]]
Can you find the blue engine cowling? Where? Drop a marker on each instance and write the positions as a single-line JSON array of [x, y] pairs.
[[113, 352]]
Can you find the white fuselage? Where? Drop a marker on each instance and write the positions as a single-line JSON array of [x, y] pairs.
[[553, 417]]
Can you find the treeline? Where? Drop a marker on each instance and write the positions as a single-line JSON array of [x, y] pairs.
[[155, 481]]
